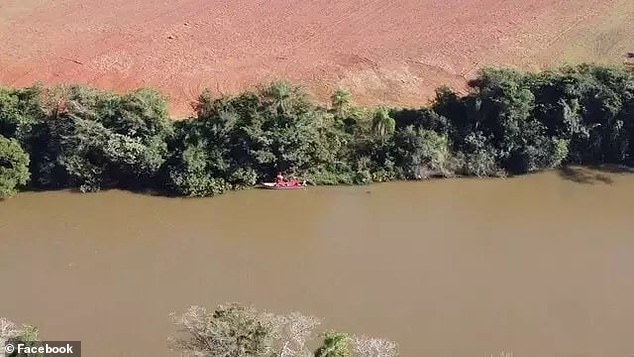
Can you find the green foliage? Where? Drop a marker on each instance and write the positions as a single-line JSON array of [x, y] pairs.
[[501, 105], [421, 153], [508, 123], [383, 124], [282, 97], [590, 106], [479, 156], [192, 176], [14, 166], [29, 334], [336, 344], [93, 140], [20, 111], [560, 150], [340, 102], [236, 142]]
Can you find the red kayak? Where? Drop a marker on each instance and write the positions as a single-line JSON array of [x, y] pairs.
[[290, 185]]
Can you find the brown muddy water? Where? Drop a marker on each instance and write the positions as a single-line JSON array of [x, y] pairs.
[[532, 266]]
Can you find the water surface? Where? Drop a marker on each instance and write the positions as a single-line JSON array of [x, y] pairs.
[[535, 266]]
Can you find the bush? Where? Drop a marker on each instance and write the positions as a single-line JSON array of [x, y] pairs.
[[229, 330], [20, 111], [11, 332], [94, 140], [237, 330], [336, 344], [14, 167], [191, 175], [421, 153], [374, 347]]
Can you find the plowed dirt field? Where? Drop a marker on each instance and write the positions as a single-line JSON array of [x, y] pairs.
[[384, 51]]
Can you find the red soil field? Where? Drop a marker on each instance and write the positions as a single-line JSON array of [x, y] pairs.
[[393, 52]]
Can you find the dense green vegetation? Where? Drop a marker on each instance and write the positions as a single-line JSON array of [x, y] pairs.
[[14, 166], [508, 123]]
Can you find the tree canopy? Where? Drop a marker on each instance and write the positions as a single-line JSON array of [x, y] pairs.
[[508, 123], [14, 167]]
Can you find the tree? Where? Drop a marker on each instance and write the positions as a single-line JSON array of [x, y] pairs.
[[92, 139], [336, 344], [479, 156], [229, 331], [12, 332], [374, 347], [8, 331], [20, 111], [507, 108], [14, 167], [383, 124], [282, 95], [235, 330], [605, 97], [503, 108], [340, 101], [294, 331], [421, 153], [190, 175]]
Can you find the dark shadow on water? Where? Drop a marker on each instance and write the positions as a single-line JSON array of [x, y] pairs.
[[584, 175], [588, 175], [593, 174], [614, 169], [76, 190]]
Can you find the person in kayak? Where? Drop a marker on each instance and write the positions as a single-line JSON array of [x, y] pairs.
[[279, 179]]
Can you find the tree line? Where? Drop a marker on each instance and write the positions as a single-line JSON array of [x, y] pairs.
[[508, 123], [236, 330]]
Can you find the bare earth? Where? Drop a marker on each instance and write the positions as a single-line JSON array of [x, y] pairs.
[[393, 52]]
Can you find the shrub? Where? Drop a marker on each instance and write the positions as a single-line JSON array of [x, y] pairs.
[[20, 111], [237, 330], [228, 331], [14, 166], [11, 332], [192, 177], [336, 344], [478, 157], [93, 140], [374, 347], [421, 153]]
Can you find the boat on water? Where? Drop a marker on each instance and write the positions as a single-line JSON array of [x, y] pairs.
[[291, 185]]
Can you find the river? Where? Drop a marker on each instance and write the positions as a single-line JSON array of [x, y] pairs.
[[539, 265]]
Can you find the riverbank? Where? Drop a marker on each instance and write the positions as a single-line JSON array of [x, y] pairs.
[[510, 123]]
